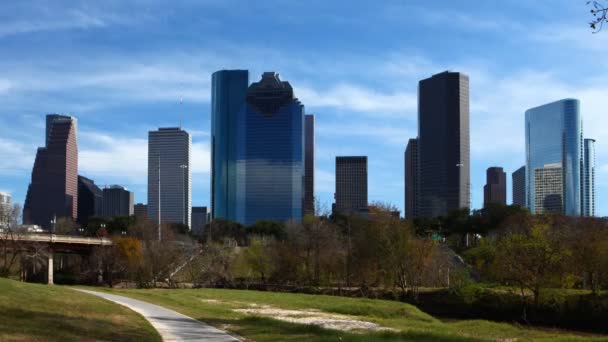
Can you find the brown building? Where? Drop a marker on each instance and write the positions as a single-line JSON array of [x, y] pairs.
[[351, 185], [309, 164], [53, 191], [495, 190]]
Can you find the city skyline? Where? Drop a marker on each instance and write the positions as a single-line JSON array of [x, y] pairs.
[[119, 98]]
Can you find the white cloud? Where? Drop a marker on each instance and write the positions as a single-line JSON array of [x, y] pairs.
[[17, 156], [381, 132], [201, 158]]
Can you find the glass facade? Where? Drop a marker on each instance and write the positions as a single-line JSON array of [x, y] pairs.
[[589, 178], [228, 93], [553, 138], [269, 153]]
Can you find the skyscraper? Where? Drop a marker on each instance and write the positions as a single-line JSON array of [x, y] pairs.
[[228, 93], [351, 184], [443, 144], [411, 179], [5, 210], [117, 202], [495, 190], [90, 200], [589, 178], [53, 191], [140, 211], [548, 188], [169, 175], [309, 164], [270, 153], [199, 220], [553, 140], [519, 187]]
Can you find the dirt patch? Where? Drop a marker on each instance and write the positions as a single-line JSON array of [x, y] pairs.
[[315, 317], [212, 301]]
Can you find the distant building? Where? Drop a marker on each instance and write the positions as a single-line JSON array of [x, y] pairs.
[[553, 137], [169, 151], [443, 144], [199, 220], [309, 164], [519, 187], [548, 189], [351, 185], [90, 200], [495, 190], [117, 202], [141, 211], [5, 210], [589, 178], [411, 179], [53, 191]]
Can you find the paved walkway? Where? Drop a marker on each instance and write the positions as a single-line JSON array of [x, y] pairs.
[[172, 326]]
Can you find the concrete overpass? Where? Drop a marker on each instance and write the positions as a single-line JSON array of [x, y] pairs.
[[55, 244]]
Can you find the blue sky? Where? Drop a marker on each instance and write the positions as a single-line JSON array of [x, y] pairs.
[[121, 67]]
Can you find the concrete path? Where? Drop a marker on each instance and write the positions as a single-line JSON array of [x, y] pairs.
[[172, 326]]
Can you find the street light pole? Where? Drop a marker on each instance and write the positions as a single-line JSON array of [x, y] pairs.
[[159, 217]]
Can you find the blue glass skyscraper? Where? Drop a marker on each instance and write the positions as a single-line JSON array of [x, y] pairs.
[[228, 92], [553, 141], [589, 178], [257, 149]]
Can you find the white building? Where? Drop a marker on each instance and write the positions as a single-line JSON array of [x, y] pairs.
[[5, 210], [549, 189], [169, 151]]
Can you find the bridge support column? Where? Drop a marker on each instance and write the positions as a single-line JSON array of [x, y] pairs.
[[50, 269]]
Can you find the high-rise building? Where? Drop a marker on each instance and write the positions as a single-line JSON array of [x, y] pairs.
[[309, 164], [443, 144], [117, 202], [351, 185], [5, 210], [411, 179], [519, 187], [589, 178], [495, 190], [169, 176], [53, 191], [553, 137], [270, 153], [140, 211], [199, 220], [548, 190], [228, 93], [90, 200]]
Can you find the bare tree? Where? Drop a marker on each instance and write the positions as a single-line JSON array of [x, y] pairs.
[[600, 13]]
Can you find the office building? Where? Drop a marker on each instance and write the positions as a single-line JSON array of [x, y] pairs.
[[351, 185], [411, 179], [169, 176], [53, 191], [117, 202], [443, 144], [228, 93], [519, 187], [5, 210], [309, 164], [548, 190], [553, 137], [140, 211], [495, 190], [589, 178], [90, 200], [199, 220]]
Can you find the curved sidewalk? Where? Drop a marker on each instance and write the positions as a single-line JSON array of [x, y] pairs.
[[171, 325]]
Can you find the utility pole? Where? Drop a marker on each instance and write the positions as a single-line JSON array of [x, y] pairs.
[[159, 217]]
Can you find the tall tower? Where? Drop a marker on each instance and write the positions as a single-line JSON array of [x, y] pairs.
[[309, 164], [553, 140], [53, 191], [443, 144], [495, 190], [169, 151], [519, 187], [228, 93], [351, 184], [270, 153], [411, 179], [589, 178]]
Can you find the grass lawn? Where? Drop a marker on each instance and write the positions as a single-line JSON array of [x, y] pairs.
[[404, 322], [32, 312]]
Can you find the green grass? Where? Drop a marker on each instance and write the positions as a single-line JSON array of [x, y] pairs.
[[31, 312], [216, 307]]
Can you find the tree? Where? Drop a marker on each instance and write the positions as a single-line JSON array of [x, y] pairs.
[[258, 257], [600, 15]]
